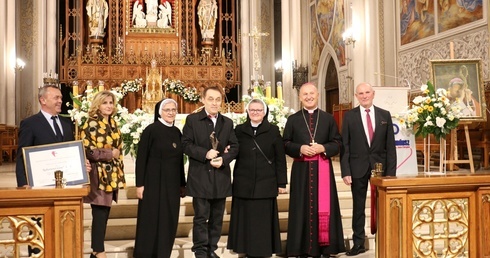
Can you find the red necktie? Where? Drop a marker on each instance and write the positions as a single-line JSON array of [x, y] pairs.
[[369, 126]]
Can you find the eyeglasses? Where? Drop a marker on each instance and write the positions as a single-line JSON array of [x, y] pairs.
[[255, 110], [168, 110]]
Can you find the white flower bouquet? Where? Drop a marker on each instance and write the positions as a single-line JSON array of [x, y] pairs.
[[431, 113], [131, 86], [132, 126], [177, 87]]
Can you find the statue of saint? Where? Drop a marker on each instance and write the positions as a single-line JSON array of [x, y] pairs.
[[151, 12], [97, 11], [207, 11], [139, 20], [165, 15]]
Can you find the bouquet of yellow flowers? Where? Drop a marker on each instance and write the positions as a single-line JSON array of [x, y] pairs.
[[431, 113]]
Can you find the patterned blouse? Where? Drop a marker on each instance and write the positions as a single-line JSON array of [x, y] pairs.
[[98, 133]]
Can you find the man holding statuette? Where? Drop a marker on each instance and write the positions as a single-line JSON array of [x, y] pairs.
[[210, 142]]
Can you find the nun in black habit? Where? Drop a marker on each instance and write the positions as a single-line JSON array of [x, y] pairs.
[[260, 173], [160, 183]]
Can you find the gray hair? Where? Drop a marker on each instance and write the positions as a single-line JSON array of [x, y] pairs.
[[43, 89]]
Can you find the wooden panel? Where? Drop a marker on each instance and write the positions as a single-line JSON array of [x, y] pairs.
[[406, 205], [61, 216], [484, 231]]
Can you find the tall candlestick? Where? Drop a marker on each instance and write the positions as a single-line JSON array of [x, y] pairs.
[[268, 89], [101, 86], [75, 92], [89, 85], [279, 90]]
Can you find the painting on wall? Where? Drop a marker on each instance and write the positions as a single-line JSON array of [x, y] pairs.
[[417, 20], [336, 39], [455, 13], [328, 27], [316, 43], [325, 14], [464, 84]]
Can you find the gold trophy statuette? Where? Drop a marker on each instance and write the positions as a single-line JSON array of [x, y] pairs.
[[378, 170], [214, 145], [58, 177]]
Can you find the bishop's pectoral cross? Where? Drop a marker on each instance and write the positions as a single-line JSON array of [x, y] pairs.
[[255, 35]]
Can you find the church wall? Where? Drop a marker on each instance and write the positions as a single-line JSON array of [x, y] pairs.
[[470, 38]]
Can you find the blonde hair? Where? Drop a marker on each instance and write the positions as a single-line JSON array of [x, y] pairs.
[[99, 99]]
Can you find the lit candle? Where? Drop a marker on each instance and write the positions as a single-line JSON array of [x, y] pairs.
[[268, 90], [75, 92], [101, 86], [89, 85], [279, 90]]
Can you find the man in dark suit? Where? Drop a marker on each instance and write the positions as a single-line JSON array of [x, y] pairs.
[[368, 138], [42, 127], [209, 176]]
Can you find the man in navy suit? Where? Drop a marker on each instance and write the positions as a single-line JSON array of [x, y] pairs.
[[368, 138], [42, 127]]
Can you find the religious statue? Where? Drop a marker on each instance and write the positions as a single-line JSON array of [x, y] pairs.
[[139, 20], [97, 11], [153, 92], [165, 15], [151, 12], [207, 11]]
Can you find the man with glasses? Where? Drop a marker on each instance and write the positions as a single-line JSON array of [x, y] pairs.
[[210, 142]]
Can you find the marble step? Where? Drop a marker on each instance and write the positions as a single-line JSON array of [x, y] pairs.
[[128, 208], [125, 228], [182, 247]]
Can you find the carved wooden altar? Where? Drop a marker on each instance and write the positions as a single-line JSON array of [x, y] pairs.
[[48, 219], [127, 48]]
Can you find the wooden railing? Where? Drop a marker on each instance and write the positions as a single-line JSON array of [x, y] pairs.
[[433, 216], [48, 220]]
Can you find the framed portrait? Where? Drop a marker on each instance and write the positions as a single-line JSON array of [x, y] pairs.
[[42, 161], [462, 78]]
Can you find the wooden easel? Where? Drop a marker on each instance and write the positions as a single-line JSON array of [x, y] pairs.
[[453, 155]]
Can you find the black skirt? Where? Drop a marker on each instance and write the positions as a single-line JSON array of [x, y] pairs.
[[254, 227]]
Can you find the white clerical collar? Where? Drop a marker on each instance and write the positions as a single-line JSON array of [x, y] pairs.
[[165, 122], [255, 124], [311, 111]]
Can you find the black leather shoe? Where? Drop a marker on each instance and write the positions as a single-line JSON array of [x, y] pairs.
[[357, 249], [212, 255]]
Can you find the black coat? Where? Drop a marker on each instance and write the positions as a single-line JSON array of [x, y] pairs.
[[203, 180], [253, 176], [357, 155], [36, 130]]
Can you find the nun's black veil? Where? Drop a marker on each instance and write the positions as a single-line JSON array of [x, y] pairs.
[[157, 110]]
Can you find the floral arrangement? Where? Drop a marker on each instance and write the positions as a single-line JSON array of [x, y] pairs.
[[177, 87], [132, 126], [131, 86], [431, 113]]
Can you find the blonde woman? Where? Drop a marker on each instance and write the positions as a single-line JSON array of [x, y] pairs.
[[102, 141]]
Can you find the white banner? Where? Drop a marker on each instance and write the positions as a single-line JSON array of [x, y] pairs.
[[406, 153]]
